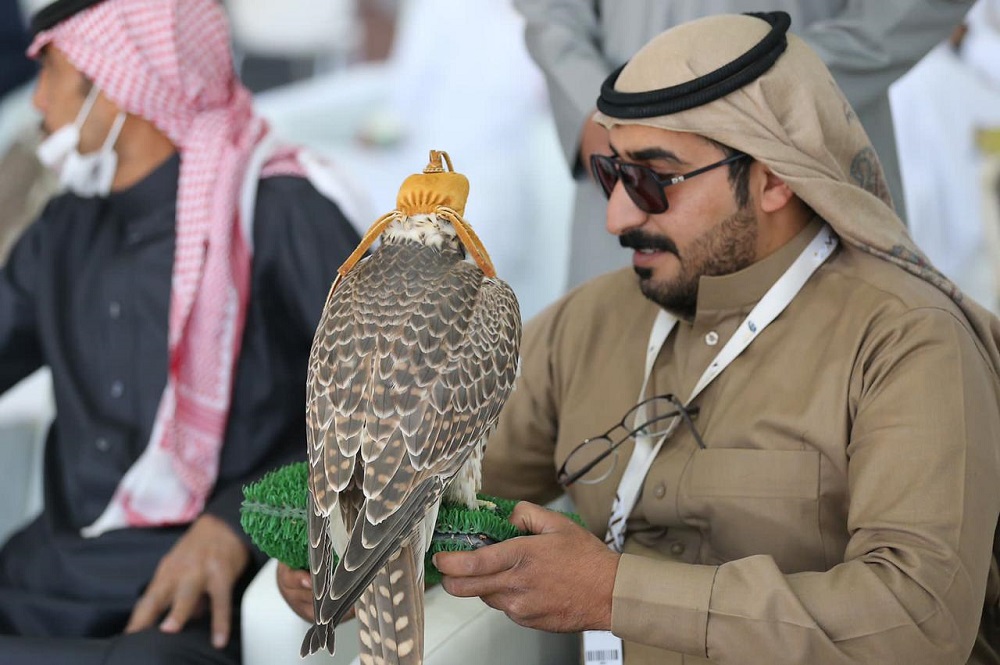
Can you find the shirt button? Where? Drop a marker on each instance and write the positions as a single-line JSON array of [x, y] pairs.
[[102, 444], [114, 309], [677, 549], [117, 389], [660, 491], [712, 338]]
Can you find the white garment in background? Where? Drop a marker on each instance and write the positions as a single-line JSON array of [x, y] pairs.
[[938, 107], [459, 79], [463, 82]]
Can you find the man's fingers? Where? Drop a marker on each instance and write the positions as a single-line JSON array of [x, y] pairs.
[[307, 612], [484, 561], [468, 587], [185, 601], [220, 593], [295, 587], [534, 519], [291, 579], [147, 610]]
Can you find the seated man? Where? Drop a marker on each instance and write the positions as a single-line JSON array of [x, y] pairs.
[[174, 293], [811, 473]]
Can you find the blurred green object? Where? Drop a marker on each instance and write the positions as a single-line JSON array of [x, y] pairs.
[[274, 516]]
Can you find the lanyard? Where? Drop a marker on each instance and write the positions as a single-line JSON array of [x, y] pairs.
[[774, 302]]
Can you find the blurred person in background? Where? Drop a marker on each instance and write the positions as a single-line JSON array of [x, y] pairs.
[[867, 44], [476, 94], [944, 110], [173, 291]]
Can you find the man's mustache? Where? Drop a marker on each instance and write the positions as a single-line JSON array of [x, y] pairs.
[[640, 240]]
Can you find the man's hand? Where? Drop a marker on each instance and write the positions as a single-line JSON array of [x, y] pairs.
[[560, 580], [594, 140], [206, 561], [296, 588]]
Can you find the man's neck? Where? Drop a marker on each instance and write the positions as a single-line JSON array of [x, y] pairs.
[[741, 290], [141, 149], [776, 230]]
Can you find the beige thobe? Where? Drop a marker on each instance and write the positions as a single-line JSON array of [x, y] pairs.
[[843, 510]]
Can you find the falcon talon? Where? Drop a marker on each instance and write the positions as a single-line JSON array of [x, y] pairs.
[[484, 504], [464, 541]]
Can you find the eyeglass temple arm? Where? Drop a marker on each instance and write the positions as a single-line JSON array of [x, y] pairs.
[[728, 160]]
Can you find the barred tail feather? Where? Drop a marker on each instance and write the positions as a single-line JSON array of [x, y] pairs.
[[369, 636], [399, 602]]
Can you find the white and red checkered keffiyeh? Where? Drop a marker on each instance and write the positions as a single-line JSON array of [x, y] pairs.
[[169, 62]]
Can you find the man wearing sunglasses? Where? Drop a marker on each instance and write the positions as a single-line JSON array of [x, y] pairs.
[[806, 468], [867, 44]]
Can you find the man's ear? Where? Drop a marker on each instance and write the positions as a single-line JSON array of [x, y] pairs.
[[773, 193]]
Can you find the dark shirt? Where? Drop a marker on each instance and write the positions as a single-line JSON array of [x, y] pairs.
[[87, 291]]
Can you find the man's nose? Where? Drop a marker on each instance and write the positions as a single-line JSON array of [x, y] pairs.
[[622, 213]]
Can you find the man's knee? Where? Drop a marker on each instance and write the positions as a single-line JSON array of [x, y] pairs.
[[192, 646]]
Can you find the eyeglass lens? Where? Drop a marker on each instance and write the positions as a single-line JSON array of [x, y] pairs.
[[593, 461], [660, 414], [641, 184]]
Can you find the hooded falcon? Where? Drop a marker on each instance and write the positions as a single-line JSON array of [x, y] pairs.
[[415, 355]]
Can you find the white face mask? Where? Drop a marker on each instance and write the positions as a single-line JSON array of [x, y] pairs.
[[85, 175]]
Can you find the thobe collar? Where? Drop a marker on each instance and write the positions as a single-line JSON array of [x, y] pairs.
[[154, 192], [742, 290]]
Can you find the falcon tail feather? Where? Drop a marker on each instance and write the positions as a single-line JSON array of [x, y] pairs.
[[349, 582], [319, 636], [398, 607]]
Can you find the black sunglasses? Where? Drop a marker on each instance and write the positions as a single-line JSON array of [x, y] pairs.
[[643, 185]]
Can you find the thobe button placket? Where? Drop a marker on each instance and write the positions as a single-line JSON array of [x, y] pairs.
[[117, 389], [712, 338]]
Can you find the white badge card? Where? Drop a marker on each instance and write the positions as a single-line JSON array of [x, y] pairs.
[[601, 647]]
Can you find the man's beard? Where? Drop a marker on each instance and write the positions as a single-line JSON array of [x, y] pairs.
[[728, 247]]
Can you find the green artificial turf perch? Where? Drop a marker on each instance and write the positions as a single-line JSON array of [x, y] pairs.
[[274, 516]]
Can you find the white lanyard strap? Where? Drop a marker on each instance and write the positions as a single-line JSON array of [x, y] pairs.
[[646, 447], [774, 302]]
